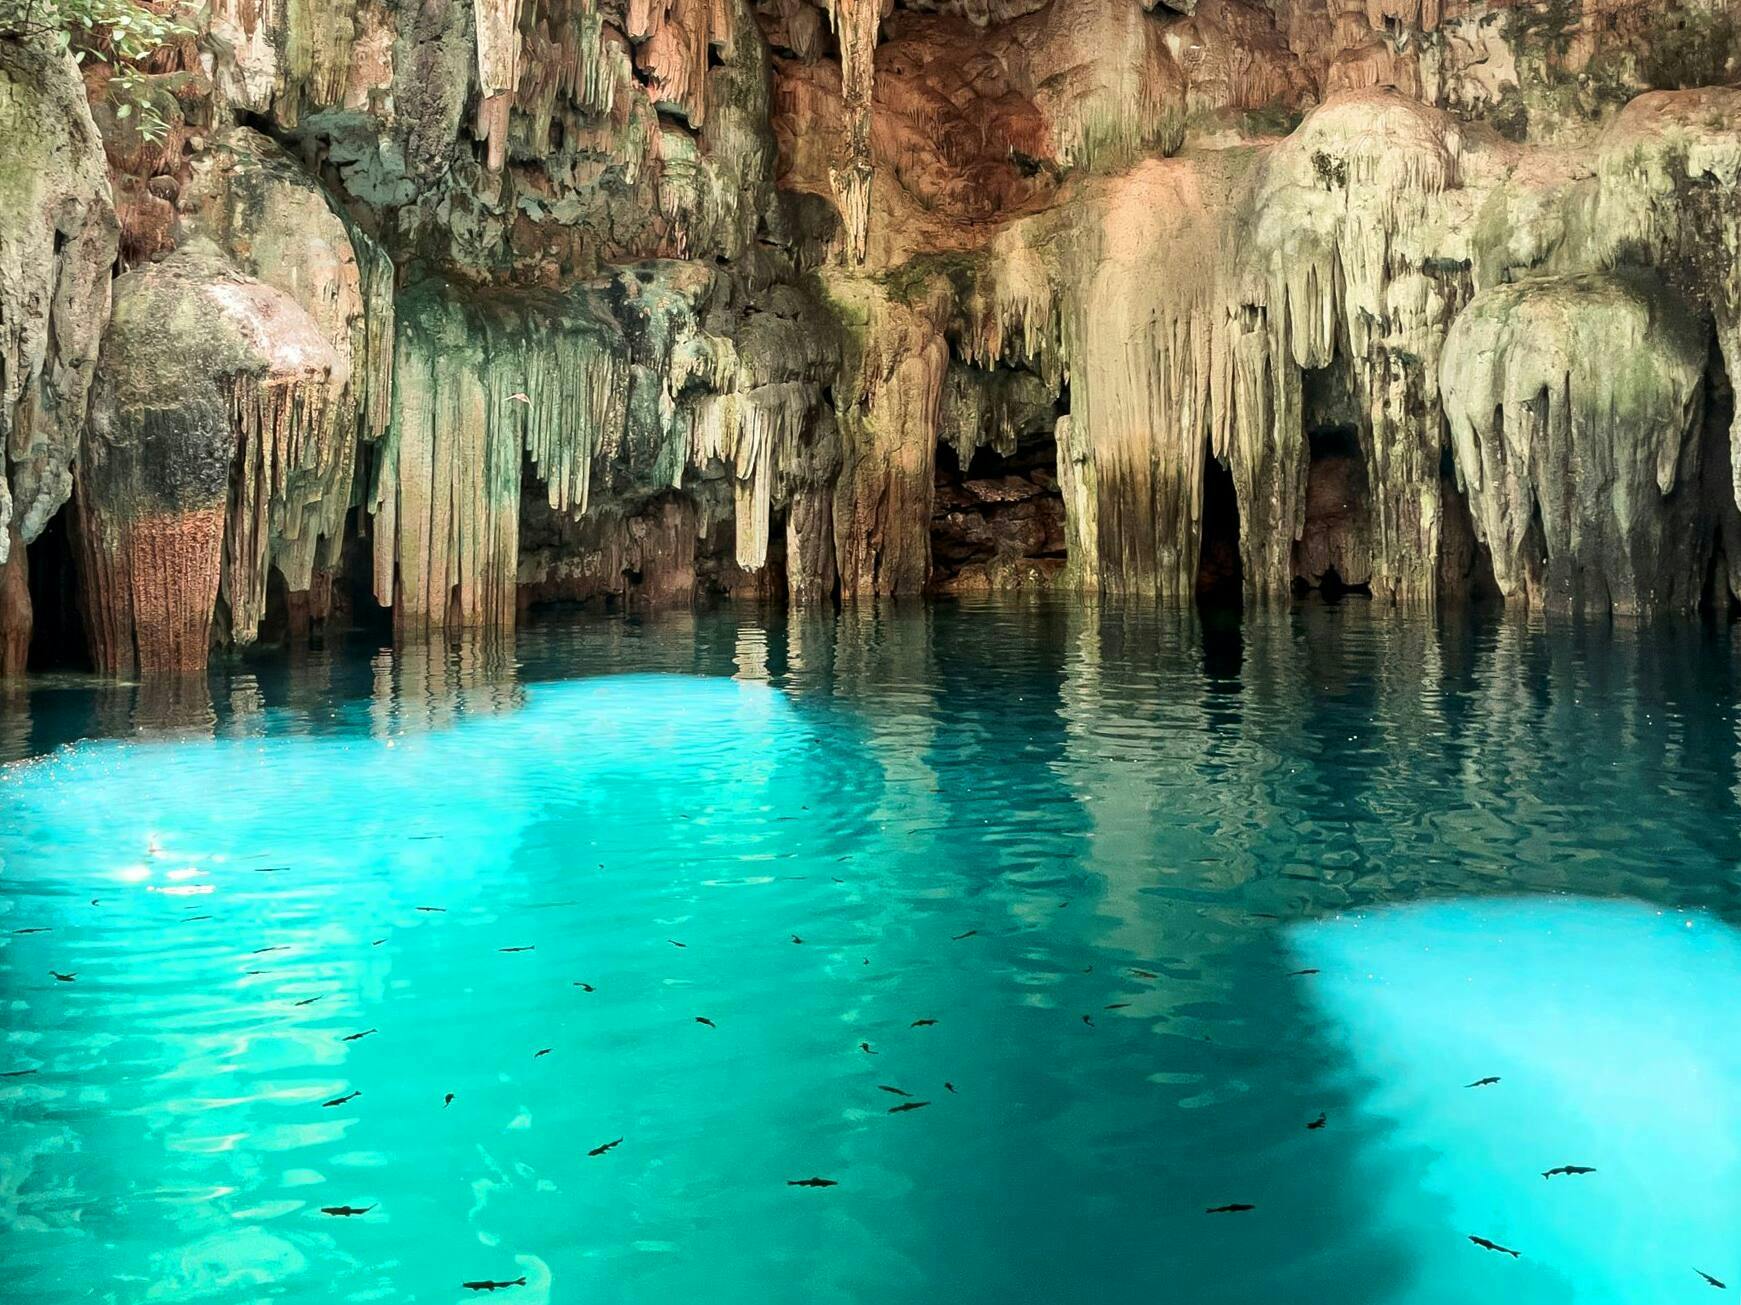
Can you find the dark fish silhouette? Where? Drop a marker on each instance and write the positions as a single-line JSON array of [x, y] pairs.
[[1088, 1020], [447, 1101], [865, 1047], [1263, 915], [585, 987], [353, 1037], [900, 1092], [485, 1284], [675, 943], [1145, 974], [194, 919], [377, 942], [1117, 1005], [811, 1182], [702, 1019], [1238, 1207], [339, 1101], [958, 937], [41, 928], [18, 1073], [796, 938], [921, 1024], [65, 978], [269, 869], [1486, 1245], [345, 1211], [949, 1087], [1299, 974], [1568, 1169], [278, 947], [1709, 1279], [433, 910], [307, 1001], [908, 1105], [1483, 1082], [516, 949], [1320, 1121], [608, 1146], [542, 1051]]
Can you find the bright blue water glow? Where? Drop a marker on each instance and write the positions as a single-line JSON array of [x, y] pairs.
[[1135, 819], [1615, 1032]]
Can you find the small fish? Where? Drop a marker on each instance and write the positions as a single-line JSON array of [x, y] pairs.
[[65, 978], [900, 1092], [41, 928], [811, 1182], [675, 943], [1088, 1020], [1482, 1082], [353, 1037], [1568, 1169], [1300, 974], [194, 919], [1710, 1280], [517, 949], [1117, 1005], [339, 1101], [608, 1146], [958, 937], [866, 1048], [796, 939], [345, 1211], [1263, 915], [542, 1051], [377, 942], [949, 1087], [702, 1019], [261, 951], [1238, 1207], [486, 1284], [447, 1101], [18, 1073], [584, 987], [307, 1001], [1486, 1245], [921, 1024], [1145, 974], [908, 1105], [269, 869], [1320, 1121], [433, 910]]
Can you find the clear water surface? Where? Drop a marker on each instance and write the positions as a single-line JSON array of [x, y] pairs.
[[1097, 846]]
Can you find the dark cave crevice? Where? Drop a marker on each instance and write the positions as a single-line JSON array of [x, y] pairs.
[[1220, 572], [998, 523], [57, 641]]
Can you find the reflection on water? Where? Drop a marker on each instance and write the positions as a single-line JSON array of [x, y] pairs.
[[1613, 1031], [1082, 840]]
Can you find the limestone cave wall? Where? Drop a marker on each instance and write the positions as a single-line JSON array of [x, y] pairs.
[[454, 308]]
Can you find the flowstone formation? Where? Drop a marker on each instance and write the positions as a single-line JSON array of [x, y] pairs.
[[442, 311]]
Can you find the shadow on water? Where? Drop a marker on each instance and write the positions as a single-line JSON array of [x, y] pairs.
[[1087, 839]]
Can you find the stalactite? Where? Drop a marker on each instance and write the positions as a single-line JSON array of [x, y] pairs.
[[498, 28], [1575, 405], [855, 24]]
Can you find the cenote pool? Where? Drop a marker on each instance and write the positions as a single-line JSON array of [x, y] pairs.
[[1037, 930]]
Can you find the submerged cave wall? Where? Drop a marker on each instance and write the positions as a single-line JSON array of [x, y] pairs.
[[480, 306]]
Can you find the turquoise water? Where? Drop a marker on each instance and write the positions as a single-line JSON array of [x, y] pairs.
[[1094, 846]]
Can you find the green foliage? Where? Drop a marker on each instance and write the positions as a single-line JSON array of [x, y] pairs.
[[112, 31], [1690, 48]]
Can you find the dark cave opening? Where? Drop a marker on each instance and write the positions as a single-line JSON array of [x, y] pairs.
[[57, 638], [1220, 573], [1465, 573], [1332, 555], [997, 523]]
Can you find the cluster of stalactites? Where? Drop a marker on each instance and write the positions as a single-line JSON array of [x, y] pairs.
[[498, 28], [479, 387]]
